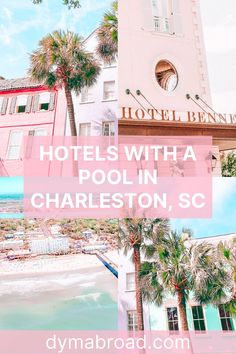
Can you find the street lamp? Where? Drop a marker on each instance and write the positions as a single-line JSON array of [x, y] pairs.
[[212, 160]]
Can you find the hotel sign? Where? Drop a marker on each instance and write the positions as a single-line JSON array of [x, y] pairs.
[[176, 117]]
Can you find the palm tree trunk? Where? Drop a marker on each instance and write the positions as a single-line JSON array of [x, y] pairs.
[[71, 111], [182, 312], [73, 129], [139, 301]]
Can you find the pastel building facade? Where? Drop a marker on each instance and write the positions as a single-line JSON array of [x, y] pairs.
[[166, 317], [26, 109], [96, 108], [163, 77]]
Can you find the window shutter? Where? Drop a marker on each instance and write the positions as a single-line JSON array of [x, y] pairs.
[[28, 104], [13, 105], [35, 103], [177, 17], [29, 146], [52, 101], [4, 106]]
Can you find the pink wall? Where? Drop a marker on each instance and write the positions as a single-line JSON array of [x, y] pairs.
[[52, 121]]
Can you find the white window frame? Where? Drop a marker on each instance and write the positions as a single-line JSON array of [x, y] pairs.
[[199, 319], [132, 326], [19, 98], [169, 20], [109, 123], [89, 98], [128, 283], [43, 100], [88, 127], [226, 317], [14, 146], [168, 321], [106, 93]]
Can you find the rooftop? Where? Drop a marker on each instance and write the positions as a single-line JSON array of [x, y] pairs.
[[14, 84]]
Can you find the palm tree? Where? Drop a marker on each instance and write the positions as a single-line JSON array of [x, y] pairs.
[[133, 236], [70, 3], [107, 48], [179, 268], [229, 165], [62, 61], [227, 251]]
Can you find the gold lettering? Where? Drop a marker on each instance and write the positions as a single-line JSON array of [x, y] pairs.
[[142, 113], [165, 115], [233, 118], [175, 119], [211, 118], [223, 118], [192, 117], [151, 113], [126, 113], [202, 117]]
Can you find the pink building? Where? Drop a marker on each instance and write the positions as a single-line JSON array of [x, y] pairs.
[[26, 109], [163, 78]]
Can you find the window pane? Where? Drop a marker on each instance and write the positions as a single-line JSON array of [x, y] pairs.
[[176, 326], [172, 315], [132, 321], [226, 319], [14, 145], [40, 132], [200, 312], [86, 95], [194, 311], [222, 311], [196, 325], [21, 109], [13, 152], [130, 281], [202, 325], [44, 106], [85, 129], [108, 129], [15, 138], [109, 90], [198, 318]]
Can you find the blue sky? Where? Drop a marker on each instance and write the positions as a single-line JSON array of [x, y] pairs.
[[23, 24], [224, 212], [12, 185]]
